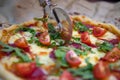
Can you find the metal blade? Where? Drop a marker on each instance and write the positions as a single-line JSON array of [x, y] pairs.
[[64, 23]]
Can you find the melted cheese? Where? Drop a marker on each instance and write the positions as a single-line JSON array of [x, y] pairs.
[[108, 36], [37, 49], [93, 57], [46, 60], [43, 54], [9, 60], [14, 38], [76, 34], [93, 39], [27, 35]]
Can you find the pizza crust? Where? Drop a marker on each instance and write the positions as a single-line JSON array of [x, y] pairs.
[[5, 33]]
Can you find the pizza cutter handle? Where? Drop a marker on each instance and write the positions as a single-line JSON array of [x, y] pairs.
[[44, 3]]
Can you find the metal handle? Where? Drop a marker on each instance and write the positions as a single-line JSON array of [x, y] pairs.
[[44, 3]]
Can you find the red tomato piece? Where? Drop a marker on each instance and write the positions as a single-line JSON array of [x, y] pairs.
[[66, 76], [45, 38], [21, 43], [113, 55], [97, 31], [45, 25], [2, 54], [101, 70], [116, 74], [72, 58], [85, 38], [24, 69]]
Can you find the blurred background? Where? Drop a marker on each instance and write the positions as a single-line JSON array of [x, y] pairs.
[[17, 11]]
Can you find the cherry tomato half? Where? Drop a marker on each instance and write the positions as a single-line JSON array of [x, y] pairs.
[[45, 38], [21, 43], [85, 38], [24, 69], [97, 31], [66, 76], [113, 55], [101, 70], [72, 58]]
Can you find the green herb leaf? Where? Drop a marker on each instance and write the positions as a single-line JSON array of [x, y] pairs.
[[84, 72], [105, 47], [37, 61], [79, 26], [18, 52], [59, 53], [85, 47], [53, 33]]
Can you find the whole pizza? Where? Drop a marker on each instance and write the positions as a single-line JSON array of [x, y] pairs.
[[34, 50]]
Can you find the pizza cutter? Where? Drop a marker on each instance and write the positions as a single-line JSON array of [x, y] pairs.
[[64, 24]]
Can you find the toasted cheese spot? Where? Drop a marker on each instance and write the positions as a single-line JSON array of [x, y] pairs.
[[108, 36], [43, 53]]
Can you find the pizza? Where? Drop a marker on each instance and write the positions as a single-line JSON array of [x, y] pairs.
[[34, 50]]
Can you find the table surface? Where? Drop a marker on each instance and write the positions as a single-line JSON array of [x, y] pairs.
[[17, 11]]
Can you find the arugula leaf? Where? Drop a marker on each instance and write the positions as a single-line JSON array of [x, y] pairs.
[[53, 33], [37, 61], [27, 29], [85, 47], [84, 72], [18, 52], [105, 47], [55, 37], [59, 53], [79, 26]]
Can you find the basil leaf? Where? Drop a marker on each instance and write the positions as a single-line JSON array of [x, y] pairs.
[[79, 26], [17, 52], [105, 47]]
